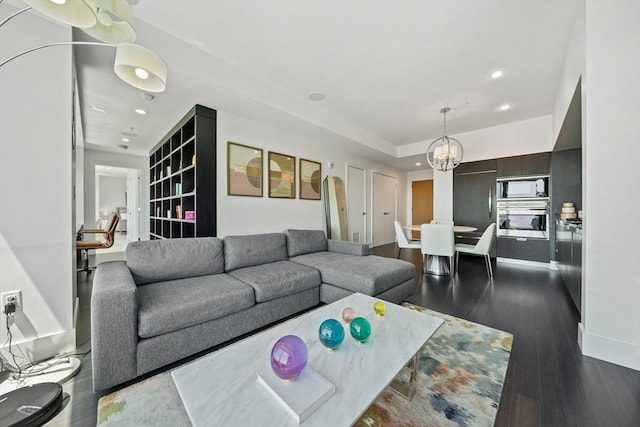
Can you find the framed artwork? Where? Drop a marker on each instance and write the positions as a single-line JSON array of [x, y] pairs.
[[244, 170], [282, 176], [310, 179]]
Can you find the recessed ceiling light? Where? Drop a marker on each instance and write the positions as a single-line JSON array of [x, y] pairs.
[[125, 140], [418, 164], [497, 74], [317, 97], [140, 111], [505, 107]]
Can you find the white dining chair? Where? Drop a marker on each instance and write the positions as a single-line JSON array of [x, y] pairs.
[[403, 242], [481, 248], [437, 240]]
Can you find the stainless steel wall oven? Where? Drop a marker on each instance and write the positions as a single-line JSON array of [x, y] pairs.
[[523, 218]]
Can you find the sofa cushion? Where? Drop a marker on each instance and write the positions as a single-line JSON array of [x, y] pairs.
[[300, 242], [176, 304], [278, 279], [369, 275], [171, 259], [254, 249]]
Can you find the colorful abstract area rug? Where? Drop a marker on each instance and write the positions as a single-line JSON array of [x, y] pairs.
[[460, 378]]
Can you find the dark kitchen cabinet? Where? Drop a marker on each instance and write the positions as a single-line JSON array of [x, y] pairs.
[[523, 248], [527, 165], [569, 259], [474, 198], [508, 166]]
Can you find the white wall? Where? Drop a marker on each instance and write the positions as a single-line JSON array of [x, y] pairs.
[[104, 158], [244, 215], [36, 217], [611, 318], [443, 195], [111, 193], [511, 139]]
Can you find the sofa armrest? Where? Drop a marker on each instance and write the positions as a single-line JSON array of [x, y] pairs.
[[350, 248], [114, 325]]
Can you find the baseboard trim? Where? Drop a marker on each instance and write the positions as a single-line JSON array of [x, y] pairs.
[[42, 348], [524, 262], [616, 352]]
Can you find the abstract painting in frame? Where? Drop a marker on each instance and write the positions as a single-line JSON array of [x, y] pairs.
[[282, 176], [244, 170], [310, 179]]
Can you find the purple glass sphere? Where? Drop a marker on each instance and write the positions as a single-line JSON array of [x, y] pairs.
[[289, 357]]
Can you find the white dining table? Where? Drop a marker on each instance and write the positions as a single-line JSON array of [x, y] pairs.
[[439, 265], [456, 228]]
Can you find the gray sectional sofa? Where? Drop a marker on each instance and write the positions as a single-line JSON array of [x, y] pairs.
[[173, 298]]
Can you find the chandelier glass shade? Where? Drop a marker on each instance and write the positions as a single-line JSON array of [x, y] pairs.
[[444, 153]]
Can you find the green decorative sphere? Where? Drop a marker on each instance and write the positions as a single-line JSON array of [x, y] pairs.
[[360, 329]]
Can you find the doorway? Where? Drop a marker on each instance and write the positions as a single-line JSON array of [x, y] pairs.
[[383, 203], [421, 203], [356, 204], [118, 189]]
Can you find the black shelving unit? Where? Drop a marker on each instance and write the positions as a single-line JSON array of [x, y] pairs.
[[182, 172]]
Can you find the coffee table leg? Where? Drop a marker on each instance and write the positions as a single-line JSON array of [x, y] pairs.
[[407, 390]]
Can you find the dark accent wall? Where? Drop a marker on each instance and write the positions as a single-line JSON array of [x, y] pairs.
[[566, 165]]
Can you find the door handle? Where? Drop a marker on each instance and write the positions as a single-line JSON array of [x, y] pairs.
[[364, 213], [490, 210]]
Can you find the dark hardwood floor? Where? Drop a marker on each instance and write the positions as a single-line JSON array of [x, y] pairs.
[[548, 383]]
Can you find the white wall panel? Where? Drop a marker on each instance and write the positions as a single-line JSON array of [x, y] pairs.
[[243, 215], [36, 230]]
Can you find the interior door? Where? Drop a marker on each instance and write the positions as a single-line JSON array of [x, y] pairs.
[[383, 196], [421, 203], [356, 204]]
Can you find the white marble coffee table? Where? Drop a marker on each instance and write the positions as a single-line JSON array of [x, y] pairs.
[[221, 388]]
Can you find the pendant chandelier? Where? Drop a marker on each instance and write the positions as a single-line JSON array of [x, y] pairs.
[[444, 153]]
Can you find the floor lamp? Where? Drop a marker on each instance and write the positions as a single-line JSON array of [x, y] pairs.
[[35, 396]]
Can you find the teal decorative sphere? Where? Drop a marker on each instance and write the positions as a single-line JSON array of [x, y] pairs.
[[360, 329], [331, 334]]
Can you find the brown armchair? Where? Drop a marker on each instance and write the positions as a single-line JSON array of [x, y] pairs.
[[108, 235]]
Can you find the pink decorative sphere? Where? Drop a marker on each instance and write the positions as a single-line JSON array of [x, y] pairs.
[[289, 357], [348, 314]]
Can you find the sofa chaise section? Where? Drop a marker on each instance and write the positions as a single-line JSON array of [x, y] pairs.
[[346, 267]]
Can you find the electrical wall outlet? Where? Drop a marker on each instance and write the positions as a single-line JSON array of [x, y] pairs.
[[7, 297]]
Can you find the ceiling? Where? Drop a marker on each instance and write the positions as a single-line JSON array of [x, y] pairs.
[[385, 69]]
